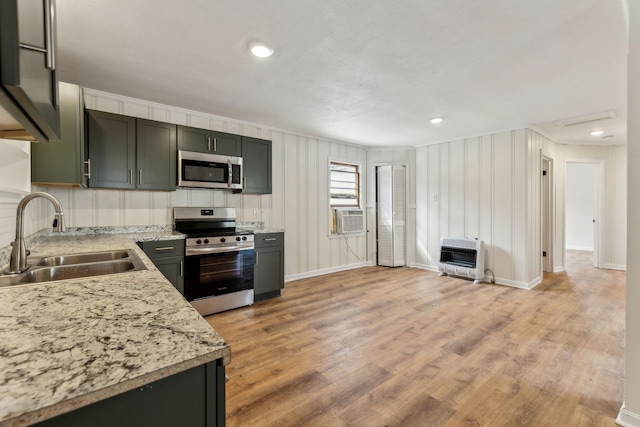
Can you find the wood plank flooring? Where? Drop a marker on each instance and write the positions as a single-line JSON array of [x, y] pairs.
[[380, 346]]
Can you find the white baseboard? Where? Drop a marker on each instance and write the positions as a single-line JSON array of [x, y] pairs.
[[559, 269], [426, 267], [498, 280], [627, 418], [615, 267], [329, 270]]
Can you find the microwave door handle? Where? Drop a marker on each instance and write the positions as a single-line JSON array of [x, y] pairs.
[[230, 174]]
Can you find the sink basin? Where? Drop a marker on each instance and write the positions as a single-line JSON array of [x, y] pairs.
[[77, 266], [75, 271], [83, 258]]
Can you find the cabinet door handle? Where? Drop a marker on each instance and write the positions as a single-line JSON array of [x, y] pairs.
[[244, 182], [257, 261], [181, 268], [271, 239], [208, 143], [88, 163], [164, 248], [49, 30], [131, 176], [139, 176], [215, 144]]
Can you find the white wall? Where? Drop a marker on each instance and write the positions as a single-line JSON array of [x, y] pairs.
[[15, 182], [299, 202], [630, 413], [482, 188], [581, 204]]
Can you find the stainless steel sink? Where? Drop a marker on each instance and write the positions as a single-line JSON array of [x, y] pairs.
[[77, 266], [83, 258], [75, 271]]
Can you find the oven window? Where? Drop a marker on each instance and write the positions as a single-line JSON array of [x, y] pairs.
[[209, 173], [221, 267]]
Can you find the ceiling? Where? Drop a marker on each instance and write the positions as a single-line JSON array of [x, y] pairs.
[[369, 72]]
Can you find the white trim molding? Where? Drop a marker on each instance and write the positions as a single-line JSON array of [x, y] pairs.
[[627, 418], [307, 274]]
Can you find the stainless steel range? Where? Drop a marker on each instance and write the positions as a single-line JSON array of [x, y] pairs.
[[219, 259]]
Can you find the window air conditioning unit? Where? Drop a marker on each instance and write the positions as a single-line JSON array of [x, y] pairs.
[[349, 220]]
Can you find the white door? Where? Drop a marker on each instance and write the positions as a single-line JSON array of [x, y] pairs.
[[582, 220], [390, 214]]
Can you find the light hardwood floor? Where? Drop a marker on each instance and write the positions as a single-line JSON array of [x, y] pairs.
[[380, 346]]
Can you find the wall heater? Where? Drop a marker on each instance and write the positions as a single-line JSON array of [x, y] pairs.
[[462, 257]]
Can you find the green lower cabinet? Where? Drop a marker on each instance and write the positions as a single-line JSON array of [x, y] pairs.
[[172, 268], [168, 257], [269, 265], [192, 398]]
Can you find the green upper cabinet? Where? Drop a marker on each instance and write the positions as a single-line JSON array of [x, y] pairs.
[[64, 162], [130, 153], [28, 67], [256, 165], [156, 155], [209, 141], [112, 150]]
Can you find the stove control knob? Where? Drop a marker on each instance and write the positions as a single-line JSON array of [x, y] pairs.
[[222, 240], [206, 241], [237, 239], [198, 241], [244, 237]]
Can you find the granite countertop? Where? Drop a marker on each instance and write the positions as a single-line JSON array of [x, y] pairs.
[[70, 343], [258, 228]]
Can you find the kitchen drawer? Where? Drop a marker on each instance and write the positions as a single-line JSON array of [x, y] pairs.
[[163, 248], [262, 240]]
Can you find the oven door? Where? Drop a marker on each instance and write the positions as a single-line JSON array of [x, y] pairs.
[[209, 170], [213, 274]]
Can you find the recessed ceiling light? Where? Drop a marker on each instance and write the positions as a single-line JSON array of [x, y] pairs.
[[260, 49], [597, 132], [436, 120]]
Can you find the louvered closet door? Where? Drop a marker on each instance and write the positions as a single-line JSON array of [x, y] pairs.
[[390, 190], [399, 214]]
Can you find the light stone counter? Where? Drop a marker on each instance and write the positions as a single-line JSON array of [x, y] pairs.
[[259, 228], [67, 344]]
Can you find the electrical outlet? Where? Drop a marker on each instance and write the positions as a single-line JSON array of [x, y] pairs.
[[256, 214]]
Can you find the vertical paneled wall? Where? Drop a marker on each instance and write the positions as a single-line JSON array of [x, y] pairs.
[[15, 179], [481, 188], [299, 202]]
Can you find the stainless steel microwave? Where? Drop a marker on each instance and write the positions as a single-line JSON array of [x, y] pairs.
[[205, 170]]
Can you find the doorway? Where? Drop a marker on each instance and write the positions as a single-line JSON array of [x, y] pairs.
[[582, 208], [547, 215]]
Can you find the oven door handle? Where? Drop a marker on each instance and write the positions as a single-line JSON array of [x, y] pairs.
[[217, 250]]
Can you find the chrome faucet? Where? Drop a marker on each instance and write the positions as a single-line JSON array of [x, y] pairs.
[[18, 261]]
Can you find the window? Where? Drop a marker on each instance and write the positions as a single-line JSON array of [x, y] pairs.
[[344, 184]]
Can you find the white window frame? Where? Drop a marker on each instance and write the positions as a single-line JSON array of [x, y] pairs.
[[358, 188]]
